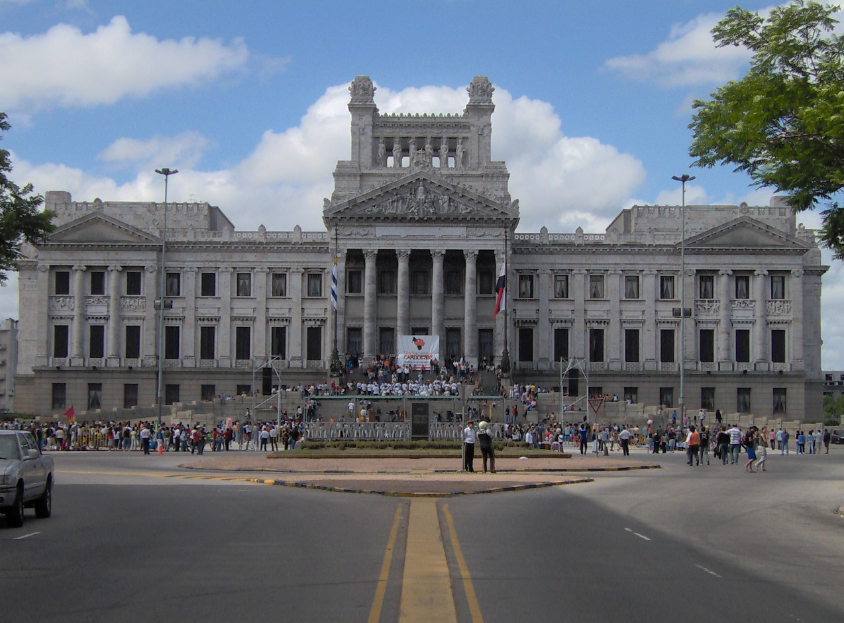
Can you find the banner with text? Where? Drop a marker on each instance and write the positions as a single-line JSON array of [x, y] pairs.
[[417, 351]]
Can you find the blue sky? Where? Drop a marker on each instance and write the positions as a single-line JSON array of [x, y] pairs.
[[248, 99]]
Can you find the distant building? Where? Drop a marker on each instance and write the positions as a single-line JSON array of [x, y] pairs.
[[8, 363], [421, 221]]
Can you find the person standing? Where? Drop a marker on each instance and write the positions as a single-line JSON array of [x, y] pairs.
[[487, 450], [723, 441], [145, 436], [693, 445], [772, 439], [624, 440], [749, 442], [469, 439], [784, 441], [826, 439], [704, 445], [735, 444]]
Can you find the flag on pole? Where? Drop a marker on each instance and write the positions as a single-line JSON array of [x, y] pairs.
[[71, 414], [334, 285], [500, 287]]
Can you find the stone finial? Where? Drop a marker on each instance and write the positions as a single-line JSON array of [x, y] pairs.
[[480, 90], [362, 90]]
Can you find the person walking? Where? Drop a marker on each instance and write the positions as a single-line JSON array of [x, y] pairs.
[[583, 433], [469, 439], [487, 450], [749, 443], [762, 451], [784, 442], [704, 445], [693, 445], [723, 441], [735, 444]]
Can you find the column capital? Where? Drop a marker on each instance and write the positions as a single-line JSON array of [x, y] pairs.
[[579, 272], [43, 268], [79, 268], [725, 272], [226, 270], [650, 272], [614, 272], [797, 272], [114, 268], [150, 268], [760, 273], [262, 270], [296, 270], [403, 254], [370, 254], [470, 254], [437, 254], [190, 270]]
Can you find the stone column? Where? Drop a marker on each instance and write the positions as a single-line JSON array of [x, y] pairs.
[[470, 331], [499, 319], [579, 331], [224, 339], [437, 300], [189, 355], [403, 300], [341, 307], [42, 327], [149, 347], [297, 359], [724, 323], [797, 318], [545, 334], [615, 336], [370, 303], [113, 351], [650, 332], [78, 350], [760, 324], [260, 338]]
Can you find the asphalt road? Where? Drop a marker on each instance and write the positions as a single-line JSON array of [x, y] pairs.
[[680, 543]]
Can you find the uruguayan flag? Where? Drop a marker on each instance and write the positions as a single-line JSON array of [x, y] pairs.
[[334, 286]]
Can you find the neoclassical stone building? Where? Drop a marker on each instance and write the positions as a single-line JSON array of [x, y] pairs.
[[420, 223]]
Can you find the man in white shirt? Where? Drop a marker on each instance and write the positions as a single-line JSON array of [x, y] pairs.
[[469, 439], [145, 437], [735, 444], [624, 439]]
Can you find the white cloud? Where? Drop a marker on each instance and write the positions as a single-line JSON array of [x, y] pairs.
[[182, 150], [695, 195], [77, 69]]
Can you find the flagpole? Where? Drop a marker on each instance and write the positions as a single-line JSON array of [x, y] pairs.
[[505, 356]]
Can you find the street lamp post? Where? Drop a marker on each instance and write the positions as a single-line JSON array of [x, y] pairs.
[[683, 179], [160, 388]]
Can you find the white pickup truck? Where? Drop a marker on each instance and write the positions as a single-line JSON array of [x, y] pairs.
[[26, 477]]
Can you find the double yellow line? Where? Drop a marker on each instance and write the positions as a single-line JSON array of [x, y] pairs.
[[426, 589]]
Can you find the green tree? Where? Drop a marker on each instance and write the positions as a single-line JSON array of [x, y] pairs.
[[783, 122], [20, 219]]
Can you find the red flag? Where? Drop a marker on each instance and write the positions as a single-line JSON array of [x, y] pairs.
[[71, 414], [500, 287]]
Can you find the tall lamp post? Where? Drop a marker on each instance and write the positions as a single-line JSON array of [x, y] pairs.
[[683, 179], [160, 387]]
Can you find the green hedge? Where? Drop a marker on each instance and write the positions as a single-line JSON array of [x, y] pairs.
[[398, 445]]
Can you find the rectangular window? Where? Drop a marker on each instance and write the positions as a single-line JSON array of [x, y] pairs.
[[354, 341], [95, 396], [596, 286], [59, 395], [419, 282], [631, 287], [631, 345], [172, 345], [314, 285], [743, 345], [207, 342], [706, 347], [96, 341], [244, 284], [707, 287], [207, 393], [485, 282], [314, 344], [62, 283], [526, 344], [279, 285], [453, 343], [132, 346], [133, 283], [666, 287], [707, 398], [243, 343], [453, 282], [278, 337], [561, 344], [742, 286], [777, 287], [387, 282], [561, 286], [244, 390], [743, 399], [171, 394], [666, 397], [631, 395], [525, 286], [420, 331], [98, 282], [130, 395], [666, 345], [208, 284], [778, 345], [354, 281], [486, 348], [174, 284], [386, 340], [596, 345], [60, 340], [779, 400]]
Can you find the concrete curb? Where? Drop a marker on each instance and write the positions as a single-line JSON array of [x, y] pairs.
[[412, 494], [450, 457], [346, 472]]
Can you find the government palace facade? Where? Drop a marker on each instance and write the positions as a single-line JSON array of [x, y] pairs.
[[421, 222]]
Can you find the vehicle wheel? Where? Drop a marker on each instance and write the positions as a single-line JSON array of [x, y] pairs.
[[14, 515], [44, 505]]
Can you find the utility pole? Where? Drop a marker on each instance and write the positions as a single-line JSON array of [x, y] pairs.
[[162, 291]]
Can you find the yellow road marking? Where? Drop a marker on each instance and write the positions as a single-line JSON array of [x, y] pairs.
[[381, 587], [426, 584], [468, 586]]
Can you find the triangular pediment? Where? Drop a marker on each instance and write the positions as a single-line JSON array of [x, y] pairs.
[[747, 234], [421, 196], [98, 227]]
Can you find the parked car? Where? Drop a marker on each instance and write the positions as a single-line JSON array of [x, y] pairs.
[[837, 435], [26, 477]]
